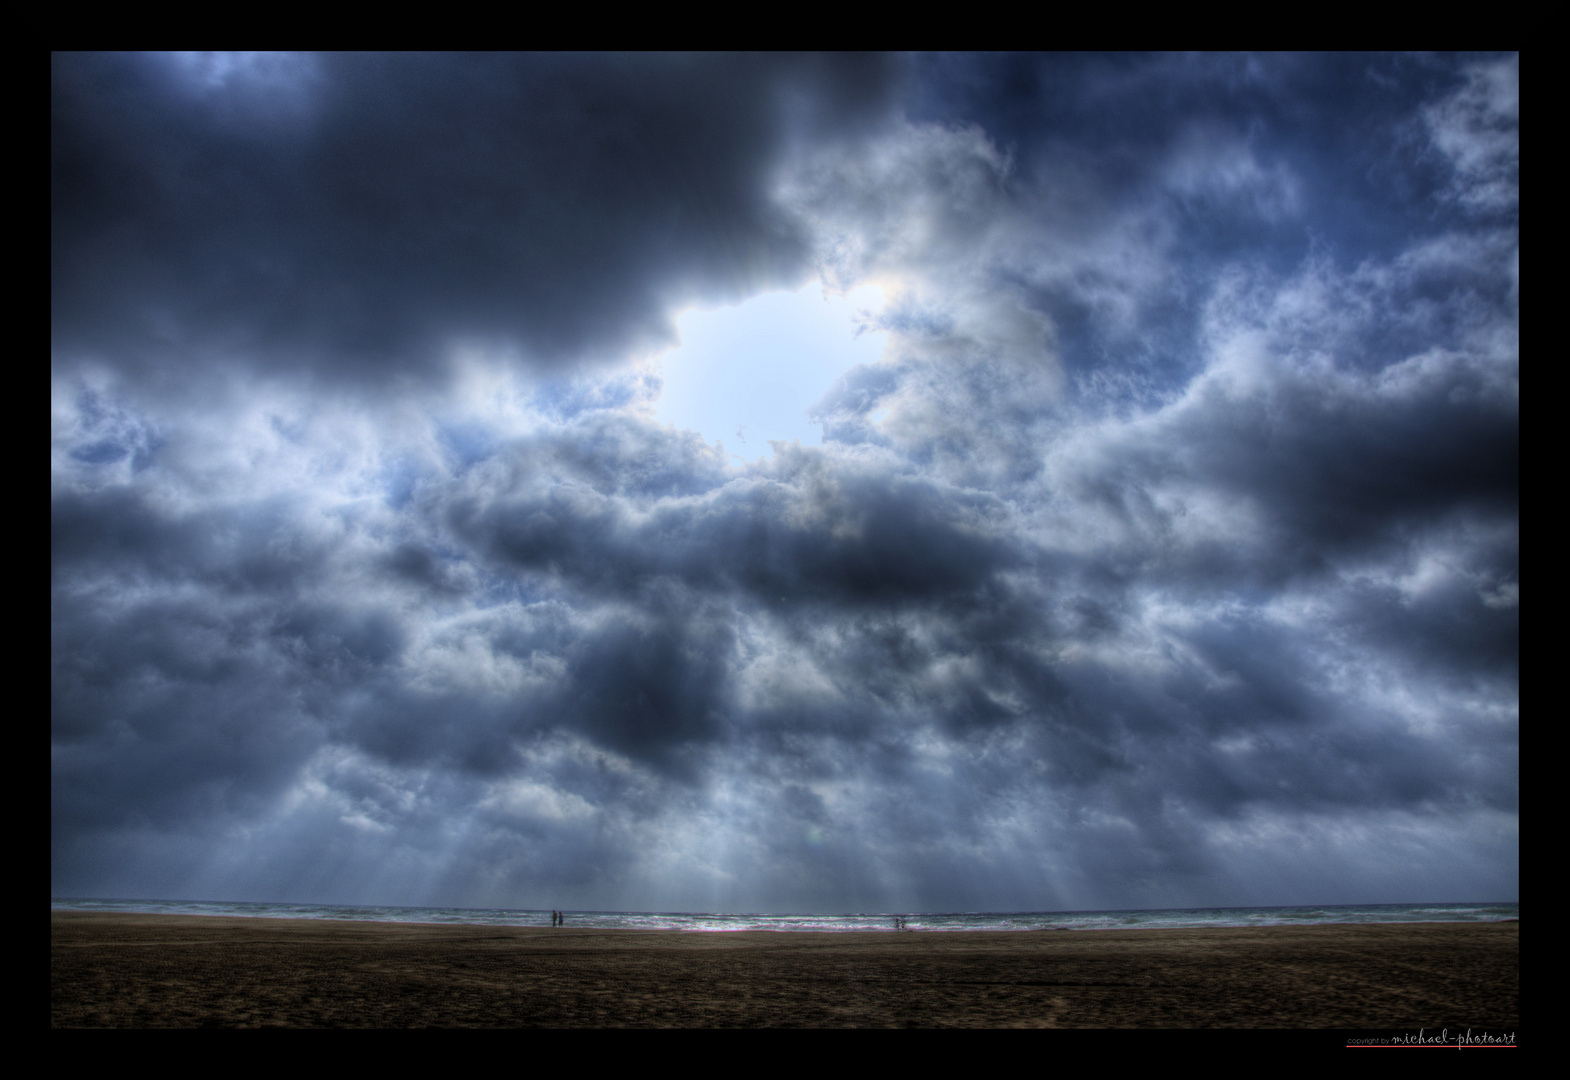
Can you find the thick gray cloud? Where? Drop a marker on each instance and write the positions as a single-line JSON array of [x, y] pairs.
[[1169, 555], [358, 216]]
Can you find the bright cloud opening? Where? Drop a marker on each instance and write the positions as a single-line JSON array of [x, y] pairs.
[[749, 374]]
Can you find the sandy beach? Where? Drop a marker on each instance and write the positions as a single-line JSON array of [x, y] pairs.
[[116, 970]]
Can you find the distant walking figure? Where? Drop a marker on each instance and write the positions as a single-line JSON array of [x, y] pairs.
[[553, 916]]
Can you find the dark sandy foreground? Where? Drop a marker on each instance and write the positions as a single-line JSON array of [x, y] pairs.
[[190, 971]]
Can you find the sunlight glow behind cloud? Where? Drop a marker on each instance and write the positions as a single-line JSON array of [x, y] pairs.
[[749, 373]]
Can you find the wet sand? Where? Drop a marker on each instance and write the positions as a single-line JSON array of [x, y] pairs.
[[112, 970]]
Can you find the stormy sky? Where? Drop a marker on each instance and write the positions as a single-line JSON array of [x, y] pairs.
[[785, 483]]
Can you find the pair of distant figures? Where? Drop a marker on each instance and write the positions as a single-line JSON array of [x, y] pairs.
[[899, 922], [558, 919]]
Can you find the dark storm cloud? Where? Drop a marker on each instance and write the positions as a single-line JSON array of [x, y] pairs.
[[1352, 126], [808, 532], [1170, 554], [1205, 162], [358, 215], [1333, 465]]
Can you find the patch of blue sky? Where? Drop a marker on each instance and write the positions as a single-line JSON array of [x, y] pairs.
[[749, 374]]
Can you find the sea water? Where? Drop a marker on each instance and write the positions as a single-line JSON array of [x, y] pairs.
[[1308, 915]]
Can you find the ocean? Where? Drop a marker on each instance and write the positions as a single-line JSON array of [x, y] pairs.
[[1152, 919]]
